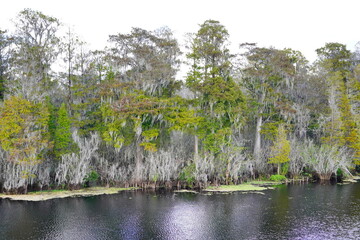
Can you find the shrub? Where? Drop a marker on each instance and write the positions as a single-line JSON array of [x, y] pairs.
[[188, 174], [277, 178], [93, 176]]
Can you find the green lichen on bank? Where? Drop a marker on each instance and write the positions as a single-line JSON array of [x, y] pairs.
[[234, 188], [53, 194], [263, 183]]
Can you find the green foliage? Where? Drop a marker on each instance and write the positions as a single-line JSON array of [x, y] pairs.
[[150, 134], [284, 168], [343, 129], [277, 178], [214, 142], [280, 151], [188, 174], [128, 94], [24, 130], [63, 142], [268, 72], [183, 119], [339, 172], [334, 57], [112, 126], [93, 176], [149, 137], [149, 146], [270, 130], [154, 76], [52, 119], [219, 104]]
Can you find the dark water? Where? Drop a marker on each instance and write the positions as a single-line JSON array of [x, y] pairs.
[[308, 211]]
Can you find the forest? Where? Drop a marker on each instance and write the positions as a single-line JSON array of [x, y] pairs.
[[71, 117]]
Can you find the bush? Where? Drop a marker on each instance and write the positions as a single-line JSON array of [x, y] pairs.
[[92, 177], [277, 178], [188, 174]]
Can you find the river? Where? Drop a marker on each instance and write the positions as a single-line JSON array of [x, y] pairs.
[[307, 211]]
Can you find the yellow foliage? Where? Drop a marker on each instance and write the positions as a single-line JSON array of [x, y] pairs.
[[23, 130], [280, 151], [148, 146]]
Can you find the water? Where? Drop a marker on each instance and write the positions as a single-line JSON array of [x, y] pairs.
[[309, 211]]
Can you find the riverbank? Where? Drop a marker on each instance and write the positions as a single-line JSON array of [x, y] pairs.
[[54, 194], [253, 186]]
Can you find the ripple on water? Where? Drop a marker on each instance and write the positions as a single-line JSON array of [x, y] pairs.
[[292, 212]]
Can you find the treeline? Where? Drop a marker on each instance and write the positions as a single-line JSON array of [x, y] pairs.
[[119, 116]]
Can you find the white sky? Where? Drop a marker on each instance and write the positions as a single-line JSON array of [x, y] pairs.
[[303, 25]]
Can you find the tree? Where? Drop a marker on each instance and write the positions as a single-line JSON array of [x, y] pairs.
[[70, 46], [5, 42], [24, 134], [218, 98], [335, 57], [280, 151], [342, 128], [36, 49], [63, 142], [267, 71], [139, 80], [149, 59]]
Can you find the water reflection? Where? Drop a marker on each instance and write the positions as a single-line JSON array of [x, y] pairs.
[[307, 211]]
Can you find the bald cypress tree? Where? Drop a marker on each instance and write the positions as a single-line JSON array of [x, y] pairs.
[[63, 142]]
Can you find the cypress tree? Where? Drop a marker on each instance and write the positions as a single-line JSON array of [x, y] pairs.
[[63, 142]]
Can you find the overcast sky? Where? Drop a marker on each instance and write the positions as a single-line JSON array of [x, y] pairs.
[[302, 24]]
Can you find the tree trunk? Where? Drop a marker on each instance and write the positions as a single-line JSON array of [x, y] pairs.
[[325, 176], [257, 145], [138, 164], [196, 149], [227, 173], [278, 168]]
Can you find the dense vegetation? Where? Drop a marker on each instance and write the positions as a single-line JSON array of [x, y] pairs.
[[120, 116]]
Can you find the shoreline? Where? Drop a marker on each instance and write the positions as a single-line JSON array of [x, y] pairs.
[[57, 194], [253, 186], [256, 186]]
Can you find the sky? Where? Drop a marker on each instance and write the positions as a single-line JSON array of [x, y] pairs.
[[303, 25]]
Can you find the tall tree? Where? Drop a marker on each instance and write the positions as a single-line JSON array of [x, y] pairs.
[[267, 71], [149, 59], [342, 128], [218, 98], [36, 49], [70, 46], [5, 42], [141, 75]]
